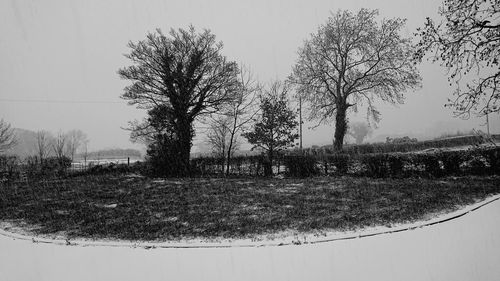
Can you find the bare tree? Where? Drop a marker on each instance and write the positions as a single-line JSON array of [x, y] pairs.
[[59, 145], [351, 60], [467, 42], [242, 110], [7, 136], [220, 139], [184, 72], [359, 131], [42, 145], [74, 139]]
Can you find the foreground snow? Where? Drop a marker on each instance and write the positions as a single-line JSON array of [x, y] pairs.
[[466, 248]]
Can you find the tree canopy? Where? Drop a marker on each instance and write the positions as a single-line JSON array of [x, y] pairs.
[[352, 60], [467, 42], [184, 70]]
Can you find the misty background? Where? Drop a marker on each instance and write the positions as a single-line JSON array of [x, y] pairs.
[[60, 61]]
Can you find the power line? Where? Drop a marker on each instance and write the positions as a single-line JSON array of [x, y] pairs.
[[56, 101]]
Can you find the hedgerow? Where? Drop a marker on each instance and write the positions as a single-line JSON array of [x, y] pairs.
[[435, 163]]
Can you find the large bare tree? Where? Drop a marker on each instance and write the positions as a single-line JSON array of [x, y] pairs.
[[467, 42], [183, 71], [352, 60], [7, 136]]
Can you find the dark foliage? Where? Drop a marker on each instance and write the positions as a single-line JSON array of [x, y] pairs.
[[492, 156], [301, 165], [430, 163], [376, 165], [340, 162], [163, 157], [451, 161]]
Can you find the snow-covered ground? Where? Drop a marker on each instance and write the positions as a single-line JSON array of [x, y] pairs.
[[466, 248]]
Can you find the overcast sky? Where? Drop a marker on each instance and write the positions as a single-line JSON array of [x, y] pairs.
[[59, 59]]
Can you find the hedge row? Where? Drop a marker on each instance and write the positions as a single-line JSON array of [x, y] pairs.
[[436, 164], [13, 169], [242, 165]]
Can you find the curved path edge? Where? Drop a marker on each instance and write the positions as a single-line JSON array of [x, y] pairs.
[[294, 239]]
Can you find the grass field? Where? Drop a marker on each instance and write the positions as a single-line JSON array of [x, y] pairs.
[[136, 208]]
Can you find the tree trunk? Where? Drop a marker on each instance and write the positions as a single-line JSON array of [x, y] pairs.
[[185, 135], [268, 165], [340, 127], [229, 154], [223, 157]]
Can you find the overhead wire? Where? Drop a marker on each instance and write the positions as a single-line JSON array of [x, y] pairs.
[[57, 101]]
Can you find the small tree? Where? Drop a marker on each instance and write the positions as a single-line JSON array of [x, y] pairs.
[[59, 145], [7, 136], [220, 139], [359, 131], [242, 110], [467, 42], [353, 60], [275, 129]]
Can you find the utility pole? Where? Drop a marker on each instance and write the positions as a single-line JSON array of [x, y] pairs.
[[300, 122], [487, 124]]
